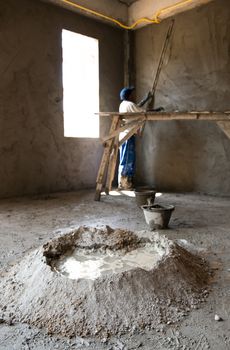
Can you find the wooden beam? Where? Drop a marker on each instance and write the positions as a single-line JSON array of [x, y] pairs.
[[203, 115], [112, 166], [225, 127], [105, 160], [131, 132], [122, 128]]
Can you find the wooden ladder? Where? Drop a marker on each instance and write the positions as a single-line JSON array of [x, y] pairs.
[[109, 158], [108, 162]]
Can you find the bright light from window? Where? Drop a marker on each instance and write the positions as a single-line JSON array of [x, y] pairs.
[[159, 194], [80, 84], [112, 193]]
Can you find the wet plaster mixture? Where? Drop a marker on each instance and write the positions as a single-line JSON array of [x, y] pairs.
[[202, 221]]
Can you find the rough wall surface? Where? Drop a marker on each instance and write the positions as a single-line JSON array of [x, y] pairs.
[[181, 155], [34, 154]]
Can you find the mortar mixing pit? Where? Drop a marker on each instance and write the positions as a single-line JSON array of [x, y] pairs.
[[117, 280], [109, 257]]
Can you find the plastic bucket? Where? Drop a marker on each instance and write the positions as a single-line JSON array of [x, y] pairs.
[[144, 196], [157, 216]]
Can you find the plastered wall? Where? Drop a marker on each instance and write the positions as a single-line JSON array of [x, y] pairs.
[[35, 156], [181, 155]]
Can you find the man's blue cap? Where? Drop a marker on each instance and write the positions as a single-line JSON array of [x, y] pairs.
[[126, 92]]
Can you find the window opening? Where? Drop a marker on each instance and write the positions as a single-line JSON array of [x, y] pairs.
[[80, 70]]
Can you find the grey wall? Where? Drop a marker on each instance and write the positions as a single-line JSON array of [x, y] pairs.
[[34, 155], [187, 156]]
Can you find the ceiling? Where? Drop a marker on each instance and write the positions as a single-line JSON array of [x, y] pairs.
[[129, 14], [127, 2]]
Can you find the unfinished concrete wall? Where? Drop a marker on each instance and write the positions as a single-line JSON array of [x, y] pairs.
[[181, 155], [34, 154]]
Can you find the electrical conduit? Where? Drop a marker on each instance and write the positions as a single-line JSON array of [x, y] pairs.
[[154, 20]]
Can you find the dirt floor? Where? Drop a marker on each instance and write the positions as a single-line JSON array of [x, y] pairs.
[[202, 221]]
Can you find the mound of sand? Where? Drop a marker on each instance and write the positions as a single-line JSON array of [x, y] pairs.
[[145, 295]]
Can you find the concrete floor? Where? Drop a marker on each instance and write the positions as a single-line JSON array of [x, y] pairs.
[[204, 221]]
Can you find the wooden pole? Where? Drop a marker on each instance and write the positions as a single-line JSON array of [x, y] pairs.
[[150, 104], [112, 166], [105, 160], [131, 132], [116, 132]]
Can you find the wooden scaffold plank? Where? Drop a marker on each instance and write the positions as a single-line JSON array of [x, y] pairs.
[[161, 116]]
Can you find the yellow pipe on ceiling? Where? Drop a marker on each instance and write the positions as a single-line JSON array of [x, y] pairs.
[[154, 20]]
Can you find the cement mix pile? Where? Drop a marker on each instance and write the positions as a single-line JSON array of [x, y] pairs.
[[103, 282]]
